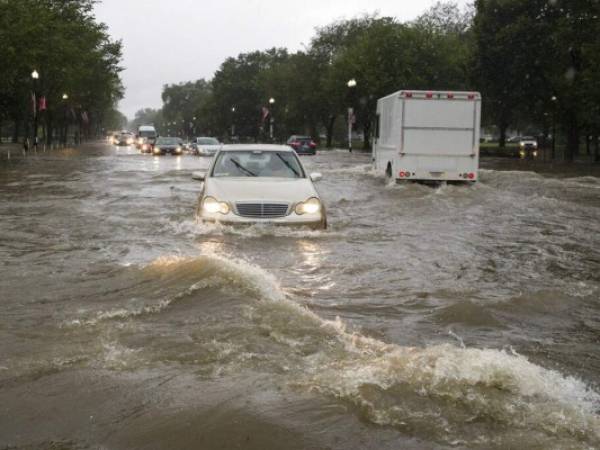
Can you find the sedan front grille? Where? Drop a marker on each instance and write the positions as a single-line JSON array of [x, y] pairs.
[[262, 210]]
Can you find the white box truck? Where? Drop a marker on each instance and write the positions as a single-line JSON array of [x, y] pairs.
[[428, 135]]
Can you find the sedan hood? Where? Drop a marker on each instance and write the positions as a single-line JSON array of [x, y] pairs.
[[260, 189]]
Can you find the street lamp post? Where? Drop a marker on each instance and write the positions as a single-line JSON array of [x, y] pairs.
[[271, 118], [351, 87], [35, 77], [554, 100], [232, 122], [65, 131]]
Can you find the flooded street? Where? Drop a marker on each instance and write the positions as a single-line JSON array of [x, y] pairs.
[[423, 318]]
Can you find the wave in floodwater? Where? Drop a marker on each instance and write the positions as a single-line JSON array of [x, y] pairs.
[[197, 228], [216, 273], [452, 394]]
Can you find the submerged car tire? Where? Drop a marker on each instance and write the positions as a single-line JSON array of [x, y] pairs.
[[388, 173]]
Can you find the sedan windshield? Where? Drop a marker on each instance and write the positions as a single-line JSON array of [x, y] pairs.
[[207, 141], [258, 164]]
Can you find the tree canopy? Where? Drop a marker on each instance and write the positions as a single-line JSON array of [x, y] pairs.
[[77, 62]]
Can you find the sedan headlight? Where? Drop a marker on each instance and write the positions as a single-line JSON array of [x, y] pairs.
[[211, 205], [310, 206], [157, 150], [178, 150]]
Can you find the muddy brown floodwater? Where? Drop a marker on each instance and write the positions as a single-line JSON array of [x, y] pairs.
[[424, 318]]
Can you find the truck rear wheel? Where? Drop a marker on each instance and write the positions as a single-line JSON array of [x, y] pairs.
[[388, 172]]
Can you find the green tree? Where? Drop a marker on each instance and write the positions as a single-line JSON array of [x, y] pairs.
[[185, 105], [241, 88], [529, 52], [72, 53]]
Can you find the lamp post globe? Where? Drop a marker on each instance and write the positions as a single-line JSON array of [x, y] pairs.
[[271, 119], [34, 77], [351, 85]]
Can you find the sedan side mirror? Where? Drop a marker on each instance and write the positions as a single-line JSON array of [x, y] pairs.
[[316, 176], [199, 176]]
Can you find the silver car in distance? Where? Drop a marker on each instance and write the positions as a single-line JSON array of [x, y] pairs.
[[250, 184]]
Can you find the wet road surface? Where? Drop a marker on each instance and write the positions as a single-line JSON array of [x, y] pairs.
[[424, 318]]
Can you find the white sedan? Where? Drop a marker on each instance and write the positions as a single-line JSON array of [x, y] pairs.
[[206, 146], [248, 184]]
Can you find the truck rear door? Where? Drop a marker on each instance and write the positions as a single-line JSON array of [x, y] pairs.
[[439, 129]]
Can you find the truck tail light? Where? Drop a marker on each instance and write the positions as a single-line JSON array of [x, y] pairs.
[[408, 94], [429, 95], [450, 96], [313, 144], [471, 96], [471, 176], [402, 174]]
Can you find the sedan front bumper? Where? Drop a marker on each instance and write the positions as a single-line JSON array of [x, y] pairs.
[[314, 221]]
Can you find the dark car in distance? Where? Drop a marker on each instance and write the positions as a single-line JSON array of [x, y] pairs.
[[165, 144], [304, 145]]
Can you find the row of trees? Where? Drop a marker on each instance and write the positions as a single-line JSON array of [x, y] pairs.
[[59, 68], [536, 62], [307, 91]]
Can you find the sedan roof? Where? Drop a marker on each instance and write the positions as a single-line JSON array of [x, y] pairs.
[[256, 147]]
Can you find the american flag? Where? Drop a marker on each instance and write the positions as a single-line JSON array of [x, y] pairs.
[[265, 113]]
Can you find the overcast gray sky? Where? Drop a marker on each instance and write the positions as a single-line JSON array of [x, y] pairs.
[[170, 41]]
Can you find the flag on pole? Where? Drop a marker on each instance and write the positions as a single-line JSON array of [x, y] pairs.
[[42, 104], [265, 113]]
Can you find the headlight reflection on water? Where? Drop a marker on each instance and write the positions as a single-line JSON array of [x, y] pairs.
[[211, 247], [310, 270]]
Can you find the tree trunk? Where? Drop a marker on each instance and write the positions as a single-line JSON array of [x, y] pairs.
[[367, 136], [502, 128], [572, 138], [49, 129], [329, 131], [588, 145], [596, 149], [313, 131], [15, 136]]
